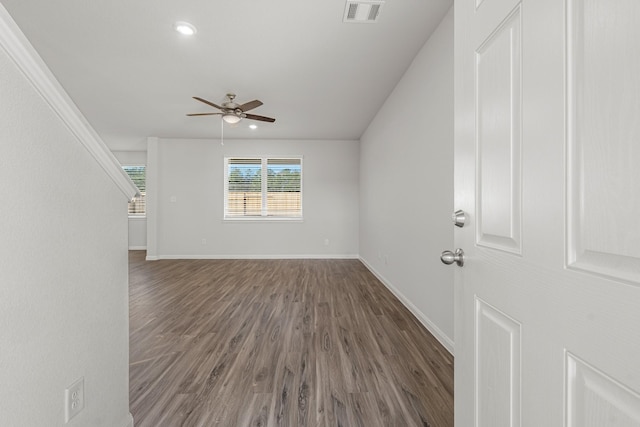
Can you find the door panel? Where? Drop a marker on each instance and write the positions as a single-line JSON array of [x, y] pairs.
[[547, 148], [596, 400], [498, 137], [488, 16], [604, 137], [498, 360]]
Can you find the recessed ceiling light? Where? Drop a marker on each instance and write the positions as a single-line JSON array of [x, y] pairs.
[[252, 126], [184, 28]]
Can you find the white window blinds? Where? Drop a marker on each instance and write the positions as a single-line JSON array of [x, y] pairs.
[[263, 187], [137, 206], [284, 197], [244, 188]]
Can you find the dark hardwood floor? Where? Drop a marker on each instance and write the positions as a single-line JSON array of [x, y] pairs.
[[279, 343]]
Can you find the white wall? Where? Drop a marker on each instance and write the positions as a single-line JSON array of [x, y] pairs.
[[406, 186], [63, 269], [137, 225], [137, 233], [131, 158], [192, 171]]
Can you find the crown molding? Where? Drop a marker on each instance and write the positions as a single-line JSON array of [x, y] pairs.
[[23, 54]]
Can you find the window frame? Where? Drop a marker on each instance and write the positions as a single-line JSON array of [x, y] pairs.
[[264, 216]]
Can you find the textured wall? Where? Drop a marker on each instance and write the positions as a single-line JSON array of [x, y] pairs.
[[406, 181], [63, 269], [191, 172]]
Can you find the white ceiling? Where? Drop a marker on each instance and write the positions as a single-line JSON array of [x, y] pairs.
[[133, 76]]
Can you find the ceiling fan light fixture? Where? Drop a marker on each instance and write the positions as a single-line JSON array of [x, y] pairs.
[[231, 118], [184, 28]]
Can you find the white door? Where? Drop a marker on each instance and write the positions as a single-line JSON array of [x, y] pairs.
[[548, 171]]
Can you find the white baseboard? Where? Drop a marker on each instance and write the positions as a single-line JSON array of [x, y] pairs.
[[314, 256], [422, 318], [129, 421], [137, 248]]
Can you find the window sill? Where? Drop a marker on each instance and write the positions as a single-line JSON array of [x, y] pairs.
[[261, 219]]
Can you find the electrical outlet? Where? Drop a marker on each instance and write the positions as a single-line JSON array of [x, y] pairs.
[[204, 241], [326, 242], [73, 399]]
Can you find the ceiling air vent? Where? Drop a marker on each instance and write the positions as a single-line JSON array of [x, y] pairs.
[[362, 11]]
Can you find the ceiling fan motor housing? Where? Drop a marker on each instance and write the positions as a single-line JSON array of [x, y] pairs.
[[230, 110]]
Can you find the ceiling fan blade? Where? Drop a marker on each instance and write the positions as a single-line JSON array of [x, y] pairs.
[[261, 118], [250, 105], [208, 103], [203, 114]]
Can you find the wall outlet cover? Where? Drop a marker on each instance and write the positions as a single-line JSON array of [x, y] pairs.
[[73, 399]]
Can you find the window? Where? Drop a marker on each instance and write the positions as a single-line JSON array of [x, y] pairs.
[[137, 206], [263, 188]]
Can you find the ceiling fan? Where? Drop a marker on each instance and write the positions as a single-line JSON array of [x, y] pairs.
[[232, 112]]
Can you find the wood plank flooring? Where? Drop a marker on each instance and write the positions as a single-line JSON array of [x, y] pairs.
[[279, 343]]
